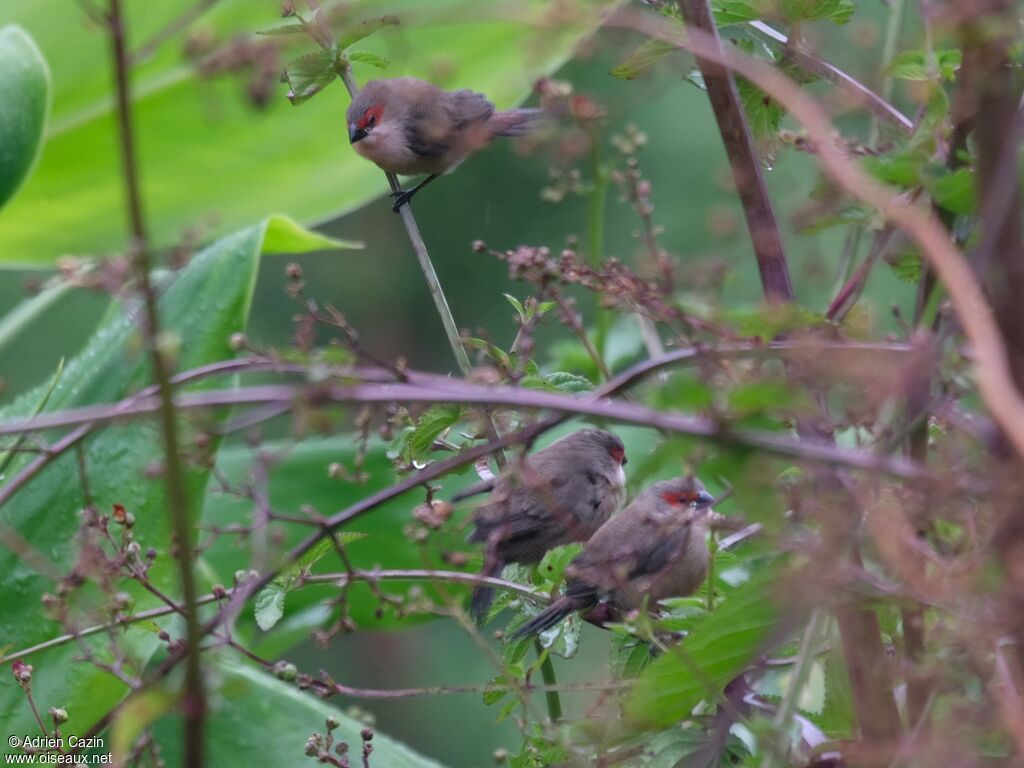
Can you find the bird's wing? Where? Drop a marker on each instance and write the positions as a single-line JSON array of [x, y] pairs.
[[630, 548], [468, 108]]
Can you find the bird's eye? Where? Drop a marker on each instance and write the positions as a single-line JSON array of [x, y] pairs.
[[371, 121]]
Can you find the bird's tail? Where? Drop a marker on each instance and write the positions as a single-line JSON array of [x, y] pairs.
[[548, 618], [484, 596], [515, 122]]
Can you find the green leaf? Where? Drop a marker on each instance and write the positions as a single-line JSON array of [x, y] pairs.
[[211, 161], [360, 31], [255, 719], [791, 11], [516, 305], [308, 75], [289, 28], [380, 62], [269, 605], [25, 100], [763, 114], [203, 305], [138, 713], [906, 265], [285, 235], [713, 654], [955, 191], [435, 420], [915, 65], [643, 58], [836, 11]]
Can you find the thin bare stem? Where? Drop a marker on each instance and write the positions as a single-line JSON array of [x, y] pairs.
[[194, 700]]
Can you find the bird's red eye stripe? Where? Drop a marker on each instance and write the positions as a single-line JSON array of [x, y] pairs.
[[677, 499], [618, 454], [370, 117]]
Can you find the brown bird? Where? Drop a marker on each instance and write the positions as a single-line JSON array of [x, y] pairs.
[[557, 495], [410, 127], [655, 548]]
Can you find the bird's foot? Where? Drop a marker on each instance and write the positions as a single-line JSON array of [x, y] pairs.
[[401, 198]]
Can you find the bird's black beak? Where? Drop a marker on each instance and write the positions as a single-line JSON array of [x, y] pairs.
[[705, 499], [355, 134]]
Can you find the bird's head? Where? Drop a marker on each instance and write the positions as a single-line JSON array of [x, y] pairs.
[[596, 446], [366, 113], [683, 493]]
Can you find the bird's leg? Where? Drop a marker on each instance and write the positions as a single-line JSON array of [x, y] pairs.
[[403, 197]]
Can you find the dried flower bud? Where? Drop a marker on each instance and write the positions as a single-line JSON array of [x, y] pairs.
[[237, 341], [479, 246], [293, 271], [59, 715], [332, 723]]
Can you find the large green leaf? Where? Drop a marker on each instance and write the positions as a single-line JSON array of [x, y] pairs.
[[24, 99], [713, 654], [209, 159], [207, 302], [257, 720]]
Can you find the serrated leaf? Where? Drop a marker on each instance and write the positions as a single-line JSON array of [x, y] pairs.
[[308, 75], [435, 420], [373, 59], [720, 648], [289, 28], [792, 11], [360, 31], [763, 114], [642, 58], [269, 606]]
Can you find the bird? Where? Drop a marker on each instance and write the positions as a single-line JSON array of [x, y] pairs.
[[410, 127], [654, 548], [558, 495]]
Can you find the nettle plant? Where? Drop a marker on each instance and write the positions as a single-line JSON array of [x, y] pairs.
[[163, 556]]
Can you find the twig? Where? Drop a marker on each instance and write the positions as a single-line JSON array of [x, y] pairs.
[[194, 700], [454, 391], [337, 579], [175, 26]]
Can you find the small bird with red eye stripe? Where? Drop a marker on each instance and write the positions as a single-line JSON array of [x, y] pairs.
[[655, 548], [555, 496], [410, 127]]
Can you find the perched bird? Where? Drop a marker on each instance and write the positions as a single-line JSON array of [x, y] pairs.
[[410, 127], [557, 495], [654, 547]]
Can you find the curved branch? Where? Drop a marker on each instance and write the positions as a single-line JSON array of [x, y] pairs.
[[994, 378]]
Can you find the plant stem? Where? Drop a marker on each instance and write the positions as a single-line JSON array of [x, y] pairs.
[[194, 699], [746, 166], [547, 671], [598, 206]]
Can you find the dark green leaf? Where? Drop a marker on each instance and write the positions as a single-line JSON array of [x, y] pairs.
[[642, 59], [25, 100], [906, 265], [269, 605], [288, 28]]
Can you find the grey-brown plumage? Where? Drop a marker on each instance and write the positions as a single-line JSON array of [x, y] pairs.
[[655, 547], [557, 495], [411, 127]]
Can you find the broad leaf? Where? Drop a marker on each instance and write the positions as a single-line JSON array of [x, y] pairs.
[[231, 162], [713, 654], [24, 101], [258, 720], [204, 304]]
